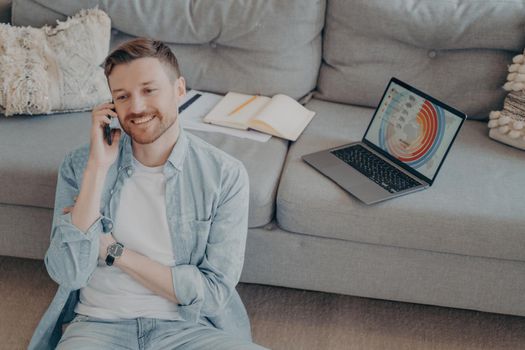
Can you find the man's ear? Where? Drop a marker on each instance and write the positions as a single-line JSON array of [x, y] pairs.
[[180, 89]]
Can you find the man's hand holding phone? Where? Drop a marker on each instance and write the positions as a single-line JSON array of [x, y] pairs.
[[102, 154]]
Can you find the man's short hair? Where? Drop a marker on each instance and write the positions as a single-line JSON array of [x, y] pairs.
[[140, 48]]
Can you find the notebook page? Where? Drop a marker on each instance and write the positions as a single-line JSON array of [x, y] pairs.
[[191, 118], [285, 115], [235, 110]]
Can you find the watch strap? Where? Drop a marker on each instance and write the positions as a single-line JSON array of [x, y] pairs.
[[110, 260]]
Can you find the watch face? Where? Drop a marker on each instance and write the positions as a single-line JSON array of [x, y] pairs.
[[115, 249]]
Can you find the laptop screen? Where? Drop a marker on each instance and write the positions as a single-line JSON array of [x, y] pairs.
[[414, 128]]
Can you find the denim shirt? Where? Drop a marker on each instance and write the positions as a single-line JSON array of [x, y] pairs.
[[207, 196]]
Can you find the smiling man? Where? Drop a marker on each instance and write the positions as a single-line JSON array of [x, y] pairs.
[[148, 236]]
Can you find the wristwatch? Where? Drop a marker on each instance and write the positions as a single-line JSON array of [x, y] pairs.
[[114, 252]]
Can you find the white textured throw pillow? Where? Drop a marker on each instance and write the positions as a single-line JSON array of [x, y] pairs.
[[54, 69], [508, 125]]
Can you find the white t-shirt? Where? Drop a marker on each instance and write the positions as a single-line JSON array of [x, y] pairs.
[[141, 225]]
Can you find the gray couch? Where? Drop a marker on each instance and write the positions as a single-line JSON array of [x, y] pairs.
[[459, 244]]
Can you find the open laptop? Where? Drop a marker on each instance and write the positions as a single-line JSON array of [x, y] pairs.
[[402, 150]]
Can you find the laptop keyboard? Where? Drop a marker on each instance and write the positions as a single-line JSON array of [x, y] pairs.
[[375, 168]]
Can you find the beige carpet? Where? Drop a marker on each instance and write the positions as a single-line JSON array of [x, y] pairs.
[[292, 319]]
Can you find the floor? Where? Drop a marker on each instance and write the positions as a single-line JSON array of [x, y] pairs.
[[292, 319]]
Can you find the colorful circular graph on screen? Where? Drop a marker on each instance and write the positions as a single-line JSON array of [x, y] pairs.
[[413, 131]]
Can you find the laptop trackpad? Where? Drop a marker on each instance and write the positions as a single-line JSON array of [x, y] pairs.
[[356, 183], [347, 177]]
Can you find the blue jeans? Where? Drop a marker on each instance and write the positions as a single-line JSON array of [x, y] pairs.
[[86, 332]]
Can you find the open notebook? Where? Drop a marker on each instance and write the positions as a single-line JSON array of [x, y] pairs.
[[280, 115]]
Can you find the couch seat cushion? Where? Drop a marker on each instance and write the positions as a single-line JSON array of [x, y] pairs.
[[473, 208], [32, 148], [264, 162]]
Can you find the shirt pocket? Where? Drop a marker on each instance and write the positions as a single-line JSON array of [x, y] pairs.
[[199, 231]]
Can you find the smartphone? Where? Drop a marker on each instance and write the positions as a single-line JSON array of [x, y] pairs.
[[114, 124]]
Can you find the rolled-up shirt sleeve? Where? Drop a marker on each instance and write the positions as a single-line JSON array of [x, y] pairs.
[[72, 254], [210, 284]]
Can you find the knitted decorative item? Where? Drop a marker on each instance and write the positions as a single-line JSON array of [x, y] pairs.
[[54, 69], [508, 125]]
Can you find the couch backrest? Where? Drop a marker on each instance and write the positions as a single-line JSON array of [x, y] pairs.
[[456, 50], [260, 46], [5, 11]]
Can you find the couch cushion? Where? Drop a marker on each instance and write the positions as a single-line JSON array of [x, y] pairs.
[[260, 46], [473, 208], [264, 163], [32, 148], [5, 11], [456, 50]]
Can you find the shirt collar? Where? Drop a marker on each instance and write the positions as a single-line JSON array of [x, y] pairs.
[[178, 154], [176, 157]]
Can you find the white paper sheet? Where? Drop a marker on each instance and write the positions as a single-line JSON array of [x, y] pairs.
[[192, 117]]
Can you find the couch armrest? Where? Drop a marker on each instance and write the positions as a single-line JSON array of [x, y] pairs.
[[5, 11]]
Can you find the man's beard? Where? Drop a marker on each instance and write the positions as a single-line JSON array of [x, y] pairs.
[[160, 125]]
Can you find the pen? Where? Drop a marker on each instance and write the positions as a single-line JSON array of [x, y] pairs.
[[189, 102], [243, 105]]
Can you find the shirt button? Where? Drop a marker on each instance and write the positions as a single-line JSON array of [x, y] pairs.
[[110, 225], [112, 191], [432, 54], [130, 172]]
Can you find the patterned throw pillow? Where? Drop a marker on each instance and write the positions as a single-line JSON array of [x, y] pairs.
[[508, 125], [54, 69]]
